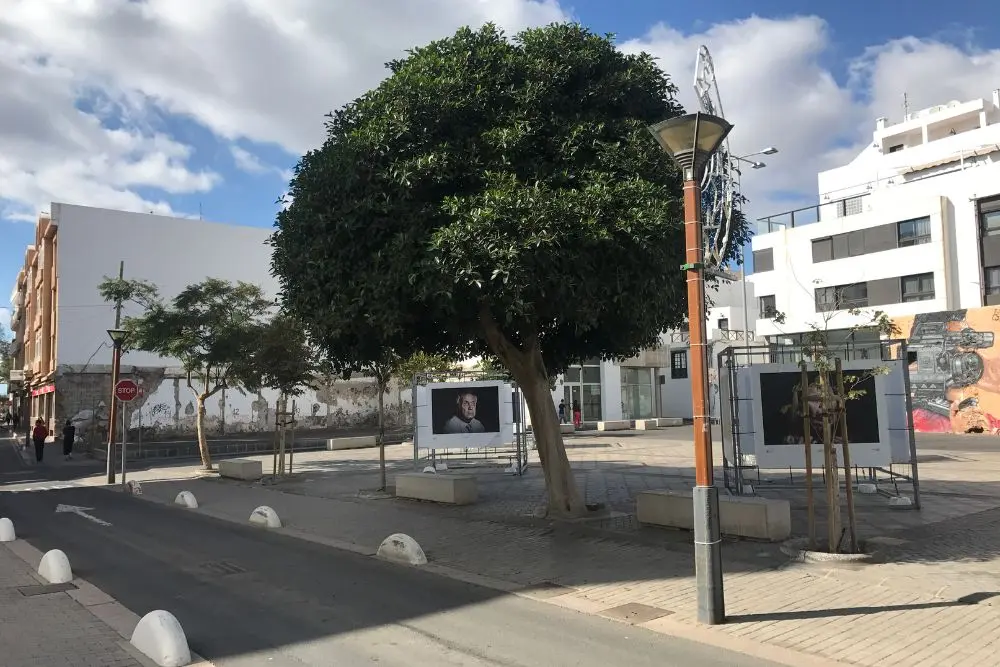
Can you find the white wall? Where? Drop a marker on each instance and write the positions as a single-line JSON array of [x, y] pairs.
[[172, 253]]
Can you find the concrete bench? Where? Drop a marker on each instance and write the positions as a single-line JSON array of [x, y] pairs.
[[241, 469], [739, 516], [567, 428], [354, 442], [622, 425], [669, 421], [438, 488], [646, 424]]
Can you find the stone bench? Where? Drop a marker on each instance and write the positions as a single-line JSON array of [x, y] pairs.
[[739, 516], [241, 469], [567, 428], [621, 425], [353, 442], [646, 424], [669, 421], [438, 488]]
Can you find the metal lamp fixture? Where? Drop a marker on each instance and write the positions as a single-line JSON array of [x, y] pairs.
[[691, 140], [118, 336]]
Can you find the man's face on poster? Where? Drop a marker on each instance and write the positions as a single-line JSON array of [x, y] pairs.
[[467, 406]]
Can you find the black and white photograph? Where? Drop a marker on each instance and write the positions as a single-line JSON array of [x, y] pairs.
[[781, 409], [461, 410]]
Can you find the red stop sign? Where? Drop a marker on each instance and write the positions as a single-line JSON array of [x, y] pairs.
[[126, 390]]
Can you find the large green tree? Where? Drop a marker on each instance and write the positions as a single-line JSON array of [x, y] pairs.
[[211, 327], [499, 197]]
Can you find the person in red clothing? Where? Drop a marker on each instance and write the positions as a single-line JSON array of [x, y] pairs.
[[38, 436]]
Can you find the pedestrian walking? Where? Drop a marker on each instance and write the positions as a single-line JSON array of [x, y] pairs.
[[577, 415], [38, 436], [562, 412], [69, 437]]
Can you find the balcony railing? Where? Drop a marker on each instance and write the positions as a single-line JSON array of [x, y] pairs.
[[723, 335], [838, 208]]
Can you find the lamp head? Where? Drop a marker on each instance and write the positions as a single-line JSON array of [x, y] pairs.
[[770, 150], [758, 165], [691, 140], [118, 336]]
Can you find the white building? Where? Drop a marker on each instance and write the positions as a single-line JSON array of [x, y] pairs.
[[911, 225]]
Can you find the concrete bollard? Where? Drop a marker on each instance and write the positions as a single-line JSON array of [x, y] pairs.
[[159, 636], [401, 548], [7, 533], [54, 567], [430, 470], [187, 499], [265, 517]]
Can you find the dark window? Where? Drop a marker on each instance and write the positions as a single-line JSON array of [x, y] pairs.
[[911, 357], [767, 307], [896, 148], [723, 323], [840, 247], [917, 288], [763, 260], [822, 250], [678, 365], [841, 297], [990, 221], [856, 243], [991, 280], [914, 232]]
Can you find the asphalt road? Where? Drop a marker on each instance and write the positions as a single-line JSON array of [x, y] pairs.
[[247, 597]]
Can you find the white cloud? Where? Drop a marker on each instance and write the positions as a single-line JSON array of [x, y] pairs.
[[777, 88], [247, 161], [245, 69]]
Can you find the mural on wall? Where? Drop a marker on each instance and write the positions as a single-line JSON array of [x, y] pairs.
[[954, 358]]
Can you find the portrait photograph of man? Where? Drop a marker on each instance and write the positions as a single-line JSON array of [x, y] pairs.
[[474, 409]]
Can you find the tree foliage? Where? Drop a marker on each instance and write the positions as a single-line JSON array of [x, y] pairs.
[[493, 196], [283, 358], [5, 359]]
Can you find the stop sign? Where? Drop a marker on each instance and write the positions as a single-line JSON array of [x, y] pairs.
[[126, 390]]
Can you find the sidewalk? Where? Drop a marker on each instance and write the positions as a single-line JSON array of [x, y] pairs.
[[51, 628], [865, 616]]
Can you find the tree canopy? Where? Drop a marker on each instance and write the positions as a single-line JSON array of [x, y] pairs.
[[493, 197]]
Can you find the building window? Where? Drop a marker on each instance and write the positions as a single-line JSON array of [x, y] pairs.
[[849, 206], [896, 148], [766, 307], [989, 220], [991, 280], [914, 232], [917, 288], [723, 324], [637, 393], [841, 297], [678, 365]]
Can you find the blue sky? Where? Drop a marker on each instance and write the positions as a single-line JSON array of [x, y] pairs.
[[216, 125]]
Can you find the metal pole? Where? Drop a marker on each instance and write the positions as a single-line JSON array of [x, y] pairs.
[[115, 366], [124, 432], [707, 537], [746, 312]]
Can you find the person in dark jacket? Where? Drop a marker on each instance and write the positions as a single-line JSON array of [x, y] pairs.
[[69, 437], [38, 436]]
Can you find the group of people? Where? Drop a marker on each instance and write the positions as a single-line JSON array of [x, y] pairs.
[[40, 433], [577, 414]]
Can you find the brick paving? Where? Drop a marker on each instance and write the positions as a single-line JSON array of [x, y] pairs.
[[51, 629]]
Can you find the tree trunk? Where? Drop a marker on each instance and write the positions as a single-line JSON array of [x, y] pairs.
[[381, 436], [206, 456]]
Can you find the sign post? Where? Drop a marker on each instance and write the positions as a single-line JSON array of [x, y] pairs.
[[126, 391]]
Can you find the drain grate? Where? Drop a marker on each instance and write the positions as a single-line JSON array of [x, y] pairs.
[[45, 589], [222, 568], [635, 613]]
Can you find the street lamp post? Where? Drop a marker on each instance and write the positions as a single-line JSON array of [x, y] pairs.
[[691, 140], [118, 337]]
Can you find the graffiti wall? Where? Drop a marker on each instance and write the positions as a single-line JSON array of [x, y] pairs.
[[954, 359]]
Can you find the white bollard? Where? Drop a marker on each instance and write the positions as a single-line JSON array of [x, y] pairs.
[[867, 488], [187, 499], [54, 567], [7, 533], [430, 470], [265, 517], [401, 548], [159, 636]]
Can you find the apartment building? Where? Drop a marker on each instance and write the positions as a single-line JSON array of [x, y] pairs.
[[911, 227]]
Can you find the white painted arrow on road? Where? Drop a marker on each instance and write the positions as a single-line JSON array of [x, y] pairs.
[[81, 511]]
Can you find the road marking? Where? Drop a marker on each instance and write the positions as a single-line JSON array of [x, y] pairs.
[[81, 511]]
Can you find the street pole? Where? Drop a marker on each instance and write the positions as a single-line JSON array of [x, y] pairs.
[[116, 361], [707, 538], [124, 431]]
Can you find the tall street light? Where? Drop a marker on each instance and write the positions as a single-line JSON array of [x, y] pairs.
[[118, 338], [691, 140]]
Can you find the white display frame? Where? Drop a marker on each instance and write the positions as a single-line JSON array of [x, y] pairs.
[[427, 439], [893, 444]]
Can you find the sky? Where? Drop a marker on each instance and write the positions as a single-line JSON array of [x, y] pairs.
[[202, 107]]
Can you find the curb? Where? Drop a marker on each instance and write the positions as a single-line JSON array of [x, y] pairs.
[[105, 608], [569, 600]]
